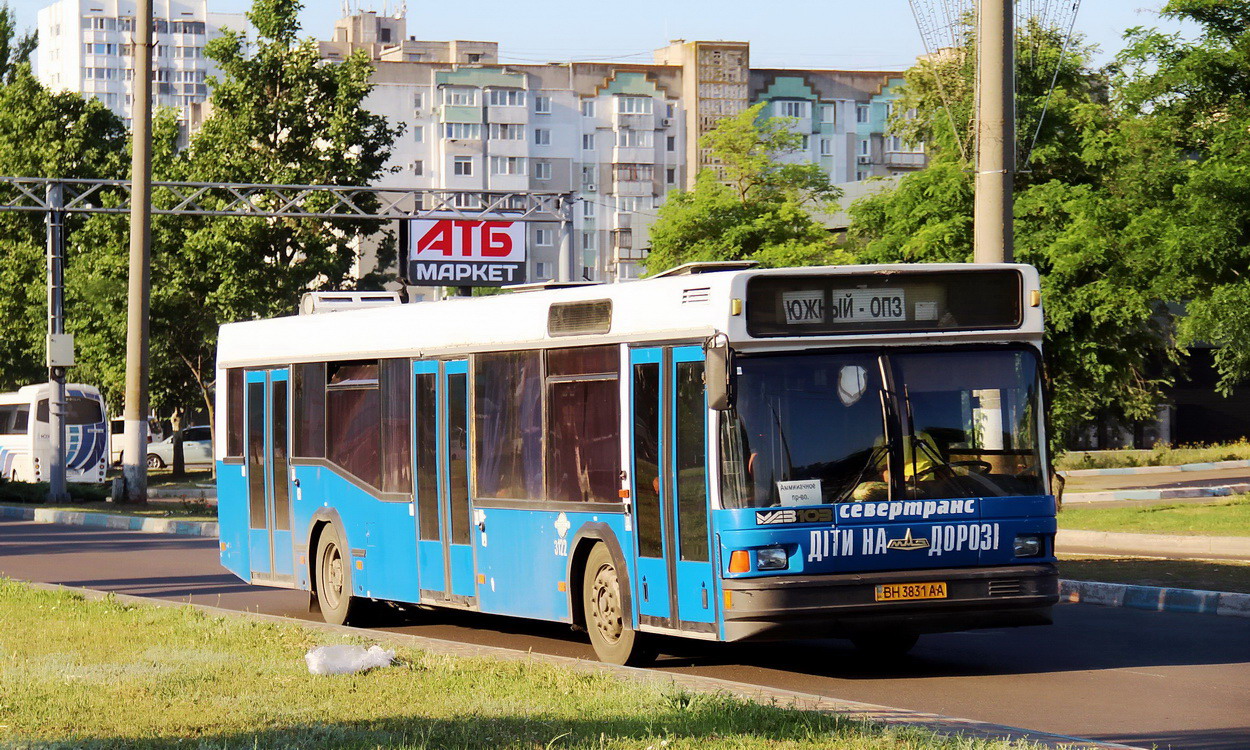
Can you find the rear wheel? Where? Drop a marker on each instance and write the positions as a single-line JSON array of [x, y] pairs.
[[614, 641], [885, 643], [334, 580], [155, 461]]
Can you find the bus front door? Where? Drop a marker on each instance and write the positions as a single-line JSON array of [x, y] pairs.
[[266, 405], [674, 585], [441, 451]]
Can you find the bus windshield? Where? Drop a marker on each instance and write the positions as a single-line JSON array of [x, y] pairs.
[[864, 426]]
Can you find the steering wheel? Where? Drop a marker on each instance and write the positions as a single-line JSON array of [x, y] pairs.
[[982, 467]]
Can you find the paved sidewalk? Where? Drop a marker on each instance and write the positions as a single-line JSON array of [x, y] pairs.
[[43, 514], [1131, 470], [1173, 546], [1140, 495]]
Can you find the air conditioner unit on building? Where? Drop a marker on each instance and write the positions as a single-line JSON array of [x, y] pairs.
[[864, 159], [667, 121], [590, 188]]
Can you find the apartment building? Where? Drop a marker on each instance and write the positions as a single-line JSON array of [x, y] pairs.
[[618, 136], [880, 153], [87, 46]]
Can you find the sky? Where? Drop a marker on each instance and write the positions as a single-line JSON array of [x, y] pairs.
[[845, 34]]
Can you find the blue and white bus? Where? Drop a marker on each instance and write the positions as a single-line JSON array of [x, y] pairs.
[[721, 453], [26, 434]]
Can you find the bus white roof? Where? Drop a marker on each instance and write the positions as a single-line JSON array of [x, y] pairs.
[[667, 308], [30, 393]]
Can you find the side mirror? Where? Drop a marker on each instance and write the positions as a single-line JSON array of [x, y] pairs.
[[716, 371]]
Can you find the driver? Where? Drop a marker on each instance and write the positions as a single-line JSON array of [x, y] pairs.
[[918, 453]]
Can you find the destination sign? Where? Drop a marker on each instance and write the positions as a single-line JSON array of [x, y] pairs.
[[884, 302]]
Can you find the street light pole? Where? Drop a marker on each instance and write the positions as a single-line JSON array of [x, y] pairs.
[[57, 490], [993, 230], [135, 450]]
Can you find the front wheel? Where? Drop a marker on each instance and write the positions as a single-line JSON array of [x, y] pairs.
[[334, 580], [614, 641], [155, 461]]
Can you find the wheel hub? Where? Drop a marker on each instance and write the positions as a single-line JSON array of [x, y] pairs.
[[334, 575], [606, 599]]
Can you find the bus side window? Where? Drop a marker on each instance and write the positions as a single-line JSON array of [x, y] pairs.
[[234, 413], [308, 391], [41, 411], [508, 428], [583, 424], [13, 419]]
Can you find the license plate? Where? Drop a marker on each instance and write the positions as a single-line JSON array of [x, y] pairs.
[[900, 592]]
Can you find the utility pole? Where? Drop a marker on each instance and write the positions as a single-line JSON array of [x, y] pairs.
[[993, 230], [56, 355], [135, 450]]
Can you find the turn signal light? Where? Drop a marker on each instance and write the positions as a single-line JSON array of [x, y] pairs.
[[740, 561]]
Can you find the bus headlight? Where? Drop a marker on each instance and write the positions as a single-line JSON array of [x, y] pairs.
[[772, 558], [1028, 545]]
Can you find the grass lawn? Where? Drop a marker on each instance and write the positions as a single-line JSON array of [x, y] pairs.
[[1181, 574], [1229, 517], [1161, 455], [102, 674]]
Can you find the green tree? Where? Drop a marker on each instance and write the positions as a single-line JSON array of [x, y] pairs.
[[1182, 164], [1107, 337], [15, 49], [44, 134], [754, 205]]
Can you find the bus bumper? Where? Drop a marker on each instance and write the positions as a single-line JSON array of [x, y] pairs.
[[845, 605]]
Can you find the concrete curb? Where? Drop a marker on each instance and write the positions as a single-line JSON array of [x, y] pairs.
[[883, 715], [189, 493], [1156, 599], [1206, 466], [110, 521], [1165, 493], [1152, 545]]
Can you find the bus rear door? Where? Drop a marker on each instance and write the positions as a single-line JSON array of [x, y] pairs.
[[270, 549], [674, 585], [440, 421]]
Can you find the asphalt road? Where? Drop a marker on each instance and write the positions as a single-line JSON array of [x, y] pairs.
[[1120, 675]]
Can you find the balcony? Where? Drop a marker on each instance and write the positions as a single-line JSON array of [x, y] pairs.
[[633, 121], [623, 249], [905, 159], [633, 187]]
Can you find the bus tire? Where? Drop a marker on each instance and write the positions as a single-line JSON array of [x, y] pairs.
[[607, 622], [334, 579], [885, 644]]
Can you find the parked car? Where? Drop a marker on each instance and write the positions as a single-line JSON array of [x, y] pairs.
[[117, 429], [197, 449]]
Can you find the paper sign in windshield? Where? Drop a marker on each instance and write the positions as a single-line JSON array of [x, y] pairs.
[[799, 492]]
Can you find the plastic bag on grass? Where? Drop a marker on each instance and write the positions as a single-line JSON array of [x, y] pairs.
[[347, 659]]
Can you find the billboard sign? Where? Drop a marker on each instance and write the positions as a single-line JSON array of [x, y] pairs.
[[464, 252]]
